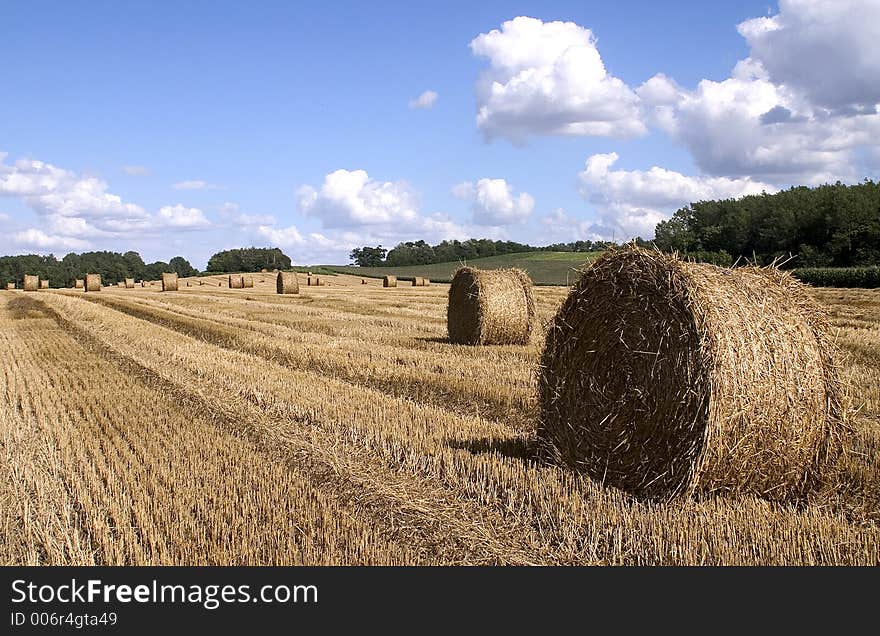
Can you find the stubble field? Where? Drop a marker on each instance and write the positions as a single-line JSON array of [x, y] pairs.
[[338, 426]]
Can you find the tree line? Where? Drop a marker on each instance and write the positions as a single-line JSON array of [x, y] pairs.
[[112, 266], [421, 253], [249, 259], [833, 225], [115, 267], [826, 226]]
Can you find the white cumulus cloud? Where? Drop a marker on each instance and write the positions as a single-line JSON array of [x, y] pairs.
[[630, 203], [48, 189], [424, 101], [39, 240], [351, 198], [547, 78], [180, 216], [802, 108], [827, 50], [493, 202]]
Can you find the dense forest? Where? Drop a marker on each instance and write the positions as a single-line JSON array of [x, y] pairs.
[[827, 226], [250, 259], [112, 266]]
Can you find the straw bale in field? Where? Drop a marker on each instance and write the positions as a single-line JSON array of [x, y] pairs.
[[247, 281], [236, 282], [79, 283], [44, 284], [492, 306], [287, 283], [169, 281], [663, 377], [389, 281], [129, 283], [92, 282], [31, 283]]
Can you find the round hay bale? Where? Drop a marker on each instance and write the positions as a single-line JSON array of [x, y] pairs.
[[169, 281], [490, 307], [143, 283], [363, 281], [121, 285], [92, 282], [129, 283], [417, 281], [44, 284], [663, 377], [10, 286], [389, 281], [426, 282], [236, 282], [247, 281], [31, 283], [79, 283], [287, 283]]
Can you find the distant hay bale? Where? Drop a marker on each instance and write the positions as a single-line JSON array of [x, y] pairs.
[[363, 281], [44, 284], [121, 285], [10, 286], [426, 282], [247, 281], [92, 283], [287, 283], [79, 283], [417, 281], [143, 283], [236, 282], [492, 306], [169, 281], [31, 283], [389, 281], [129, 283], [264, 271], [663, 377]]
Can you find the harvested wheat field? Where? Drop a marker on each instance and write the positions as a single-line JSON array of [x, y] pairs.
[[340, 426]]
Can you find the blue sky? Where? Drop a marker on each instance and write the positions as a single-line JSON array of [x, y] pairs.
[[189, 127]]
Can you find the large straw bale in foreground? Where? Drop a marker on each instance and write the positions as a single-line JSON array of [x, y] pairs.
[[236, 282], [287, 283], [31, 283], [663, 377], [389, 281], [169, 281], [490, 307], [92, 282]]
